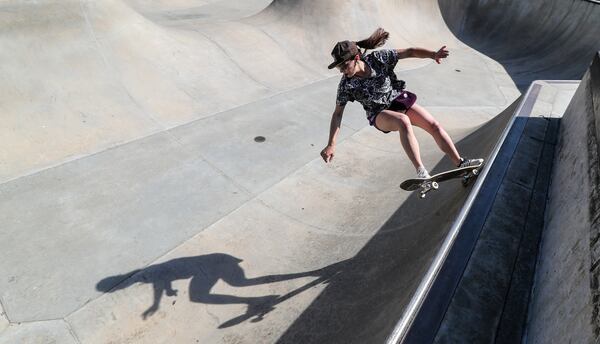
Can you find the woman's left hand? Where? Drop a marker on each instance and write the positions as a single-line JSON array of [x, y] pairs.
[[440, 54]]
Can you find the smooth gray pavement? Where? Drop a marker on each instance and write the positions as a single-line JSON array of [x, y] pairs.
[[136, 206]]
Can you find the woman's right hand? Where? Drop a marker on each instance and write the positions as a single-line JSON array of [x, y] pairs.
[[327, 153]]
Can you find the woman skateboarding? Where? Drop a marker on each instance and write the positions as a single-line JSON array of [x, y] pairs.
[[370, 80]]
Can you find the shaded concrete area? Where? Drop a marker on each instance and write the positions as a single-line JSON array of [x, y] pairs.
[[485, 291], [135, 200], [490, 301], [565, 301]]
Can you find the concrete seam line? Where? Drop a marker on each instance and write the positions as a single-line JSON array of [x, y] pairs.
[[230, 178], [108, 66], [292, 58], [403, 325], [206, 227], [486, 62], [159, 131], [72, 332], [37, 321], [242, 70], [208, 162], [4, 313]]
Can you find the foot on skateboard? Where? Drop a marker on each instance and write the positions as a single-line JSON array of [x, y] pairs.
[[432, 183]]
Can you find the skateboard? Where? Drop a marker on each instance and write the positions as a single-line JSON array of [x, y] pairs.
[[428, 184]]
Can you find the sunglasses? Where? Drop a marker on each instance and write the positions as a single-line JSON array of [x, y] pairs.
[[344, 65]]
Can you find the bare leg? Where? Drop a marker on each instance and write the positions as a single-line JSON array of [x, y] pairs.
[[397, 121], [420, 117]]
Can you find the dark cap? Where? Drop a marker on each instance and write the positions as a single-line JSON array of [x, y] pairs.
[[342, 52]]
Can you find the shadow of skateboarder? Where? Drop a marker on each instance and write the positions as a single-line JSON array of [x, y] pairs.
[[204, 272]]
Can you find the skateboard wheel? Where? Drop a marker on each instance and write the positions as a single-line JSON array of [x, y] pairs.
[[435, 185], [475, 172], [422, 195]]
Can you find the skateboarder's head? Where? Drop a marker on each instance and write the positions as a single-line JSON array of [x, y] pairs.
[[342, 53], [346, 53]]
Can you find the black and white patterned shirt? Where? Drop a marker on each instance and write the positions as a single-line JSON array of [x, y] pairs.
[[377, 91]]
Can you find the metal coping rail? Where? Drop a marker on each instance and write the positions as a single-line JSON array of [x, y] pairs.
[[403, 325]]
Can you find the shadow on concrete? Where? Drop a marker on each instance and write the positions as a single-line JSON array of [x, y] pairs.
[[204, 271], [364, 302], [533, 40]]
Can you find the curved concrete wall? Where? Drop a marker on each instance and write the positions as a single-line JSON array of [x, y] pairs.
[[106, 73], [537, 39], [565, 303]]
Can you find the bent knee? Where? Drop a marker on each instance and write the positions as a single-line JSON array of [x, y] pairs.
[[435, 127], [404, 123], [401, 121], [393, 121]]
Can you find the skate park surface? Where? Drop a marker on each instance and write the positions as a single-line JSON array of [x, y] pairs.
[[138, 205]]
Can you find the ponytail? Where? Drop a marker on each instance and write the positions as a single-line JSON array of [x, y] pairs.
[[377, 39]]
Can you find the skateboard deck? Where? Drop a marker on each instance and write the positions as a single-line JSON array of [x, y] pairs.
[[428, 184]]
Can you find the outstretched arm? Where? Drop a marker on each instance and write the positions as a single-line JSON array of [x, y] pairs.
[[334, 128], [442, 53]]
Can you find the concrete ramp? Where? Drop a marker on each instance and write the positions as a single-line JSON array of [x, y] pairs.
[[138, 203], [382, 277]]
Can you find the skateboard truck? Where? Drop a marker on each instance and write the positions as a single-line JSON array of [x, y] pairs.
[[466, 179], [428, 186]]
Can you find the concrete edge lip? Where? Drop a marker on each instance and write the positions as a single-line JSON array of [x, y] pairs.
[[405, 322], [559, 81]]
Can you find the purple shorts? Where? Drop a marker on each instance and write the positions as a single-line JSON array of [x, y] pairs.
[[402, 103]]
